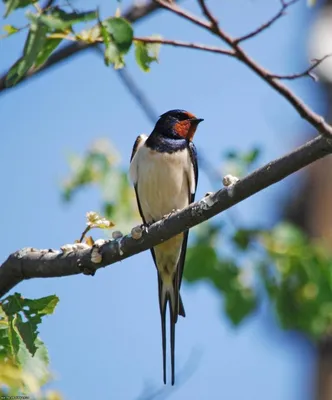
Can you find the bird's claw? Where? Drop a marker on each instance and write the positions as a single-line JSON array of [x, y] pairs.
[[145, 227]]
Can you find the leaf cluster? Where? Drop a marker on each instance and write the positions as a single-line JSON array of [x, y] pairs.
[[48, 27], [99, 166], [23, 356]]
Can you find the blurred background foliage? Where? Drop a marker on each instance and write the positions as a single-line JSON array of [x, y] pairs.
[[294, 271]]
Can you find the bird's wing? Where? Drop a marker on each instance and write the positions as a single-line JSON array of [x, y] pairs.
[[192, 184], [177, 301], [139, 142], [133, 174]]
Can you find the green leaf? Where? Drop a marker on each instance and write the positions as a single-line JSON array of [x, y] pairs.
[[20, 330], [239, 304], [300, 282], [117, 35], [201, 261], [113, 56], [15, 73], [145, 54], [59, 19], [36, 364], [243, 237], [225, 275], [245, 158], [107, 41], [12, 304], [121, 33], [28, 333], [10, 29], [12, 5], [108, 209], [208, 233], [42, 306], [252, 156], [238, 163], [34, 43], [14, 338], [49, 46]]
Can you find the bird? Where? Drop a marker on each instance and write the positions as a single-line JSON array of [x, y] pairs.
[[164, 172]]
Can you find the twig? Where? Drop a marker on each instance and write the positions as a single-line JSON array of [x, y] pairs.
[[86, 230], [267, 24], [183, 13], [307, 72], [209, 16], [137, 94], [31, 263], [48, 4], [189, 45], [316, 120]]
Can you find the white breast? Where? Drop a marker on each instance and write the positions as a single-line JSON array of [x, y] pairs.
[[163, 181]]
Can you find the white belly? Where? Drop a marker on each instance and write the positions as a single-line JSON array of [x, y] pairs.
[[162, 182]]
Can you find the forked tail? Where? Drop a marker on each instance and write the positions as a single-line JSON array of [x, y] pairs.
[[169, 293]]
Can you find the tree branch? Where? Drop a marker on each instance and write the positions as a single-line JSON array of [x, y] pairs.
[[31, 263], [189, 45], [307, 72], [135, 13], [267, 24], [316, 120]]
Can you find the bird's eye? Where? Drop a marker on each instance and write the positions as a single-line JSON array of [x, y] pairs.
[[182, 116]]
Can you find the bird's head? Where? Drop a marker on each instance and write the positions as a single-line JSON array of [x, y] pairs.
[[178, 124]]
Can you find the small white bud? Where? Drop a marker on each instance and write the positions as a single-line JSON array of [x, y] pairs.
[[99, 242], [117, 235], [229, 180], [96, 257], [137, 232], [67, 248], [81, 246], [92, 217]]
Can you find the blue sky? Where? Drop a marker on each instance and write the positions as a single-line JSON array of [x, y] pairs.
[[104, 338]]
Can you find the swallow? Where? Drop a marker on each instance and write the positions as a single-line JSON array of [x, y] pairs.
[[164, 172]]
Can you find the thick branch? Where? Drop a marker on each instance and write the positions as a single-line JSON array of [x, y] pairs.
[[27, 264], [135, 13]]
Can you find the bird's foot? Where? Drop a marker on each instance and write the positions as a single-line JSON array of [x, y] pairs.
[[145, 227]]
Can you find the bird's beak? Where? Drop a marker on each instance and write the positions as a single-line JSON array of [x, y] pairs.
[[193, 126], [197, 120]]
